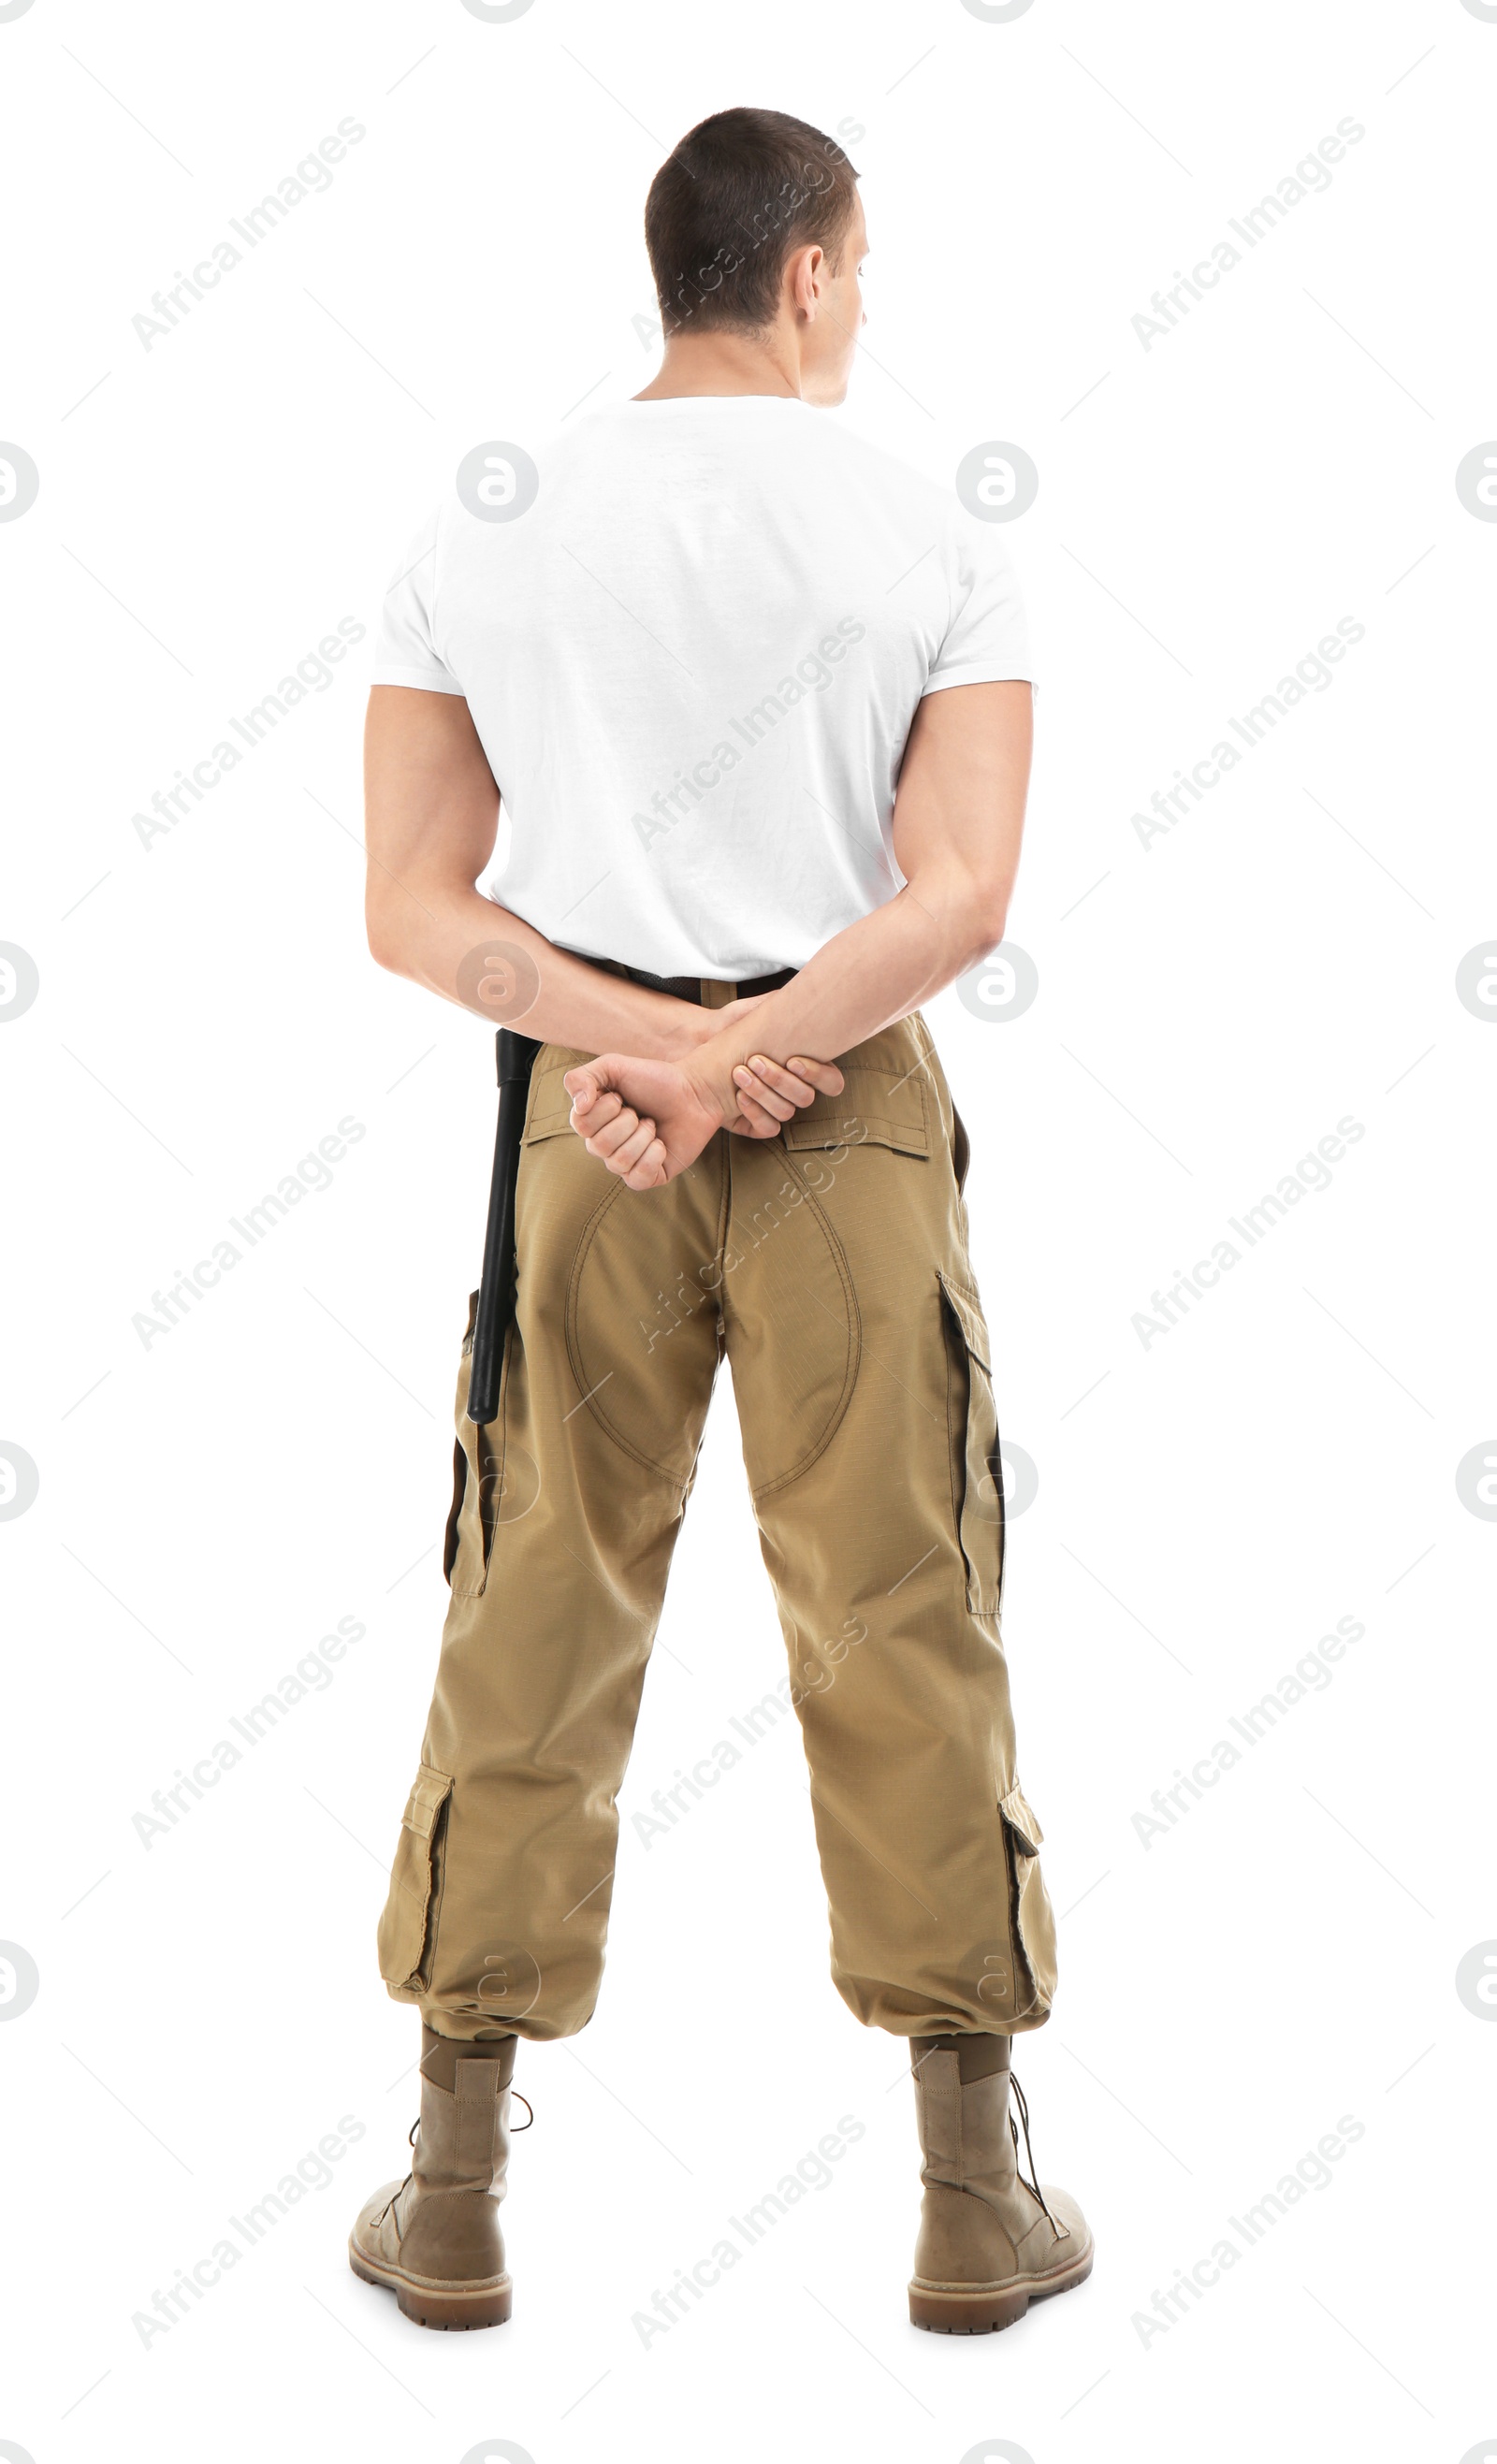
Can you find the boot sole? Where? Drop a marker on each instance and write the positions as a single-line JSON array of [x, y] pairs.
[[948, 2311], [431, 2305]]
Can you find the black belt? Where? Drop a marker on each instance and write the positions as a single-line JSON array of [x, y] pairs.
[[514, 1057], [688, 988]]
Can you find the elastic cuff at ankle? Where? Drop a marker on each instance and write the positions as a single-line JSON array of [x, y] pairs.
[[978, 2056]]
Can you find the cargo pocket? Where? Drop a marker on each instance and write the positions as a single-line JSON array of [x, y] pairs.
[[977, 1472], [548, 1108], [408, 1927], [1031, 1919], [475, 1481]]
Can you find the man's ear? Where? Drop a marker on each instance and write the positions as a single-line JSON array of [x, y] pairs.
[[804, 268]]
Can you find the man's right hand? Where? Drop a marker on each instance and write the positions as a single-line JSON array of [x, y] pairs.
[[648, 1120], [644, 1120]]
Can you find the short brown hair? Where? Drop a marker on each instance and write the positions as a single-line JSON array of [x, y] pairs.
[[738, 194]]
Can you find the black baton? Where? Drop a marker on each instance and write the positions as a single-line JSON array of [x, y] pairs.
[[513, 1059]]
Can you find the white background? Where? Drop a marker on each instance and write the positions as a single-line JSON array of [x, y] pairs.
[[1209, 1007]]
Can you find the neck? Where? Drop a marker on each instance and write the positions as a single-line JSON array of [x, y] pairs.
[[726, 363]]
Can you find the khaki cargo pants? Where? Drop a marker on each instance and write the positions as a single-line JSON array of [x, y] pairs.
[[831, 1265]]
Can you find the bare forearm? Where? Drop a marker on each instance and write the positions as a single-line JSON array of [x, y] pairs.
[[473, 952], [875, 972]]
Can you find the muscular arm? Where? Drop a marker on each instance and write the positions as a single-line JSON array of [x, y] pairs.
[[958, 817], [431, 816]]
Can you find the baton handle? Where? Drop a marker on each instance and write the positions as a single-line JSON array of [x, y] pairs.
[[514, 1060]]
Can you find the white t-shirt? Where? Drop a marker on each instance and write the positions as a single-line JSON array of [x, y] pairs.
[[693, 662]]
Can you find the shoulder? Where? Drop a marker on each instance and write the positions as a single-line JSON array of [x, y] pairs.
[[415, 551], [894, 481], [931, 503], [493, 485]]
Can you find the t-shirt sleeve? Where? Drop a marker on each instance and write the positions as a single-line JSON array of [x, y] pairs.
[[404, 651], [987, 640]]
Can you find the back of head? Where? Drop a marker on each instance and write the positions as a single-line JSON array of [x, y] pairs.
[[727, 208]]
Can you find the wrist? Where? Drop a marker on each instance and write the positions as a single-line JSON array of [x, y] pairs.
[[675, 1030], [690, 1029], [708, 1072]]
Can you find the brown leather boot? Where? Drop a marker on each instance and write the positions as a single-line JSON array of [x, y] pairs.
[[990, 2241], [435, 2238]]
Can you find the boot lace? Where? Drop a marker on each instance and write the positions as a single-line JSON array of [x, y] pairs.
[[411, 2140], [1031, 2179]]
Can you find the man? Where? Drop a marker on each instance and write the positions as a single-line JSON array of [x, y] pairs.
[[757, 700]]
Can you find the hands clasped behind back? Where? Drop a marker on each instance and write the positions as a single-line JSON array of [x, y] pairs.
[[647, 1121]]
